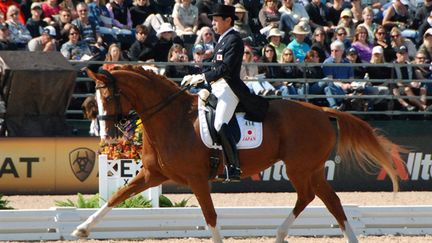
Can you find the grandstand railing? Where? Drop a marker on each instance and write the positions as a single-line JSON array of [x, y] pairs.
[[306, 97]]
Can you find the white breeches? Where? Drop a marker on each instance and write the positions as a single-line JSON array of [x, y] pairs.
[[227, 102]]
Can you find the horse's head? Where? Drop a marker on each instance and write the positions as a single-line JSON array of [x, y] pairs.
[[113, 106]]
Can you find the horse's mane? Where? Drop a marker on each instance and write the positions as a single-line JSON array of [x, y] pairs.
[[150, 74], [146, 73]]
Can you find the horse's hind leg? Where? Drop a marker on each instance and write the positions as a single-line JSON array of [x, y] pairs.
[[305, 195], [326, 193], [139, 183]]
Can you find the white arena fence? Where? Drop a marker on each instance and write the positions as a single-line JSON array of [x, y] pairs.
[[58, 223]]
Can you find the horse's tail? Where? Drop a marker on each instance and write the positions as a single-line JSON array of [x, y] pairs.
[[359, 141]]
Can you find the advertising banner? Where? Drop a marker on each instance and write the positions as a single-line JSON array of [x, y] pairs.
[[66, 165], [416, 136], [60, 165]]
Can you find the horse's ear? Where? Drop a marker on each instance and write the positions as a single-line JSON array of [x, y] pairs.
[[98, 78]]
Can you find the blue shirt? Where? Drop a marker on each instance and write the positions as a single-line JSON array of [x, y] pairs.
[[95, 11], [338, 72], [299, 49]]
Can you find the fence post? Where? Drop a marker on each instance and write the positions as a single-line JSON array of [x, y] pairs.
[[103, 179]]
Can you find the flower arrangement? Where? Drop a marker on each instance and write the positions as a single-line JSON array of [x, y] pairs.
[[127, 147]]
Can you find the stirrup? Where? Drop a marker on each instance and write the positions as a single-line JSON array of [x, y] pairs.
[[226, 178]]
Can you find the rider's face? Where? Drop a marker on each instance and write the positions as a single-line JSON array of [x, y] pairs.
[[220, 25]]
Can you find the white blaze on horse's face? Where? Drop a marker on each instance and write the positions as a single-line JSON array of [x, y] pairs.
[[102, 112]]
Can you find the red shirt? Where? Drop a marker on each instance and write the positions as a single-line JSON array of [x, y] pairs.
[[49, 11], [4, 5]]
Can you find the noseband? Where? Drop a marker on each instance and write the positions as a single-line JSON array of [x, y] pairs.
[[121, 121]]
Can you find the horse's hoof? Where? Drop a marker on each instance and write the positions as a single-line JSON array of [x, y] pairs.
[[80, 233]]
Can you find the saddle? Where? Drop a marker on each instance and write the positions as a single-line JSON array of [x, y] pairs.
[[247, 134]]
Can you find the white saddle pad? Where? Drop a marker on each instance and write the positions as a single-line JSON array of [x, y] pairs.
[[250, 132]]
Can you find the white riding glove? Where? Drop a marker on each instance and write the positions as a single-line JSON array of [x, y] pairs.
[[193, 80], [186, 80]]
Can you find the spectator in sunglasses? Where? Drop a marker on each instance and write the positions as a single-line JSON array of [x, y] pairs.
[[397, 40], [381, 39]]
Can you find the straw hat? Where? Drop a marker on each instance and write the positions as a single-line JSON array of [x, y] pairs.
[[275, 32], [302, 28], [239, 8]]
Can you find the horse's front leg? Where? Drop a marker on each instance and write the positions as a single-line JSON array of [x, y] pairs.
[[144, 180], [201, 189]]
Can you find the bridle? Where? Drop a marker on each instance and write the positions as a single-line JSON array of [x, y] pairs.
[[120, 120]]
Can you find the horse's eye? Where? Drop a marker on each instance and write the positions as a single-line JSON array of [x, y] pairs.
[[109, 98]]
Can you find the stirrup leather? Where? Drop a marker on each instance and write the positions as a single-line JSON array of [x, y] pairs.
[[226, 176]]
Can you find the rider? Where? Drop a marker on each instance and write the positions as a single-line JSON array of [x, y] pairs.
[[226, 85]]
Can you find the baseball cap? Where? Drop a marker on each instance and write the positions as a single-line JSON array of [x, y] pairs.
[[165, 27], [36, 5], [352, 50], [404, 2], [401, 49], [4, 25], [346, 13], [198, 48], [50, 31], [428, 32], [377, 49]]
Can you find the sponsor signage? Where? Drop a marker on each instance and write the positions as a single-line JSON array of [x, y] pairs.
[[347, 175], [70, 165], [417, 176], [48, 165], [82, 161]]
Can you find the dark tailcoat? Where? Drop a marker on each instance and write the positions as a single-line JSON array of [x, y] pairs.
[[227, 61]]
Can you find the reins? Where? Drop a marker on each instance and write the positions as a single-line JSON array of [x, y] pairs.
[[158, 107], [120, 123], [164, 103]]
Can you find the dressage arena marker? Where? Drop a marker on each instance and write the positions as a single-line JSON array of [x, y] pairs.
[[114, 174]]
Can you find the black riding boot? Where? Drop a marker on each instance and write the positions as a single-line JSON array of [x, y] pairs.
[[232, 170]]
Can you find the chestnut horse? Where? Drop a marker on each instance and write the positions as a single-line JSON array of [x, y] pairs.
[[300, 134]]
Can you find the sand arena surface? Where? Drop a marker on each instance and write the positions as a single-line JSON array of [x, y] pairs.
[[261, 199]]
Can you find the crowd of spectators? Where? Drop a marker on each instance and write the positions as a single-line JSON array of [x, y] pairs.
[[314, 33]]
